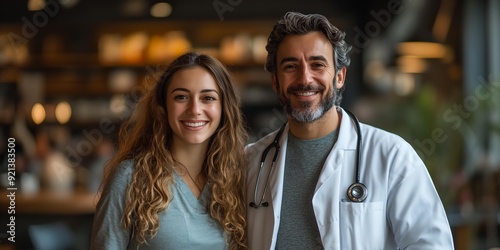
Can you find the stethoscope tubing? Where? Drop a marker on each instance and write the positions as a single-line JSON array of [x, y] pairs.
[[276, 145], [357, 192]]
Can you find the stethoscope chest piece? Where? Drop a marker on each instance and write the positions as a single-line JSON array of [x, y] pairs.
[[357, 192]]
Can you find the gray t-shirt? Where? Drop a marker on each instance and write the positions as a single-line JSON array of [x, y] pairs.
[[185, 224], [303, 165]]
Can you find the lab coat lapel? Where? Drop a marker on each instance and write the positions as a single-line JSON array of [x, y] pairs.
[[346, 141], [262, 226], [277, 177], [326, 200]]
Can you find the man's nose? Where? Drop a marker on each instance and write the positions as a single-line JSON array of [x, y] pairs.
[[305, 75]]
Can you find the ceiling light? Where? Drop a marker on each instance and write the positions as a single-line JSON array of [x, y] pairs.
[[423, 49], [411, 64], [36, 5], [38, 113], [63, 112], [161, 10]]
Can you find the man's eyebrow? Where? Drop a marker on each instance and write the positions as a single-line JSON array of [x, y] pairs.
[[288, 59], [311, 58], [318, 58]]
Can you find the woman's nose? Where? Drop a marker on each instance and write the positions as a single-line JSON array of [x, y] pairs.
[[194, 107]]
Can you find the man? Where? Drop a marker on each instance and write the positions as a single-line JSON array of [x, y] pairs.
[[304, 200]]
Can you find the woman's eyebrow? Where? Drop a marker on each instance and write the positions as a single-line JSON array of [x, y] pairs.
[[180, 89], [202, 91], [209, 90]]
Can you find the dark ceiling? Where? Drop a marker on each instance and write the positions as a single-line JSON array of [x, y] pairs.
[[345, 14], [92, 11], [79, 14]]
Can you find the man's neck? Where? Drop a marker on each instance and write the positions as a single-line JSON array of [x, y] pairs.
[[318, 128]]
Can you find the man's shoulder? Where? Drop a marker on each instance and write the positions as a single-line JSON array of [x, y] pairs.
[[262, 143], [375, 135]]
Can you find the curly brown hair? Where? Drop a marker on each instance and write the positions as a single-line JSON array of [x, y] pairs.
[[146, 138]]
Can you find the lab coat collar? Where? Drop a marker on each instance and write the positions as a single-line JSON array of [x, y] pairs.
[[347, 138], [346, 141]]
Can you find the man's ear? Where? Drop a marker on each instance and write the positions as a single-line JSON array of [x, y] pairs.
[[274, 81], [340, 79]]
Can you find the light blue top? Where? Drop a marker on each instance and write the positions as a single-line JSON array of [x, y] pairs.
[[185, 224]]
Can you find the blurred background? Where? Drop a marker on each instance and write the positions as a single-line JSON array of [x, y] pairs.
[[71, 71]]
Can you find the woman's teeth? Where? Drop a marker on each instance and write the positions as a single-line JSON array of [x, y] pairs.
[[195, 124]]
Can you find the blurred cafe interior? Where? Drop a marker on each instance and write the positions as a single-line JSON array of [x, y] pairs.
[[72, 70]]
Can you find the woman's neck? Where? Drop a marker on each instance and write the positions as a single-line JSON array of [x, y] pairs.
[[191, 156], [189, 165]]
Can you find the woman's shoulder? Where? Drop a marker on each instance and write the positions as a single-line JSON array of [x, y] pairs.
[[126, 166], [121, 174]]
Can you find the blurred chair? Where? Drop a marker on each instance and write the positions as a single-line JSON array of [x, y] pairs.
[[53, 236]]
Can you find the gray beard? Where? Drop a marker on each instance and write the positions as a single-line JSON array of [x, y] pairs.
[[306, 113]]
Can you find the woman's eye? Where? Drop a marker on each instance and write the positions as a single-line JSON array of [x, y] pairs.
[[180, 97], [209, 98]]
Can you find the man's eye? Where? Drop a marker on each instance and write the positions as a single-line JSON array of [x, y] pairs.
[[318, 65], [290, 66]]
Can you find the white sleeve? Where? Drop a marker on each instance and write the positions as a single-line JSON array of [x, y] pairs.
[[414, 208]]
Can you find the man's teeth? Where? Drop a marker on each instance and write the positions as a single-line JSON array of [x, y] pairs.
[[305, 93], [194, 124]]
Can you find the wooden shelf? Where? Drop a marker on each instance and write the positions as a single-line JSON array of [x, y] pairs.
[[51, 202]]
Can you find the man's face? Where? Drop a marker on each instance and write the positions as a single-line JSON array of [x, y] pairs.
[[305, 77]]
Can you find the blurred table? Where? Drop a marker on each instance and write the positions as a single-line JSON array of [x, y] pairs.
[[51, 202]]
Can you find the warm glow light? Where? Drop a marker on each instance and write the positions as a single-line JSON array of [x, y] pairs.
[[375, 70], [118, 104], [36, 5], [63, 112], [443, 19], [38, 113], [235, 49], [161, 10], [423, 49], [259, 49], [410, 64], [404, 84]]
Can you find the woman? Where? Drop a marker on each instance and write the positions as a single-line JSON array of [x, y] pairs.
[[175, 181]]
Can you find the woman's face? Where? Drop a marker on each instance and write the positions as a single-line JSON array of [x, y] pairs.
[[193, 105]]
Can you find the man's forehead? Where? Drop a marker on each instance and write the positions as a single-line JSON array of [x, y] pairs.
[[311, 46]]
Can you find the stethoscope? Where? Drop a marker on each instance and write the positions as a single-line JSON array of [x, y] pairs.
[[356, 192]]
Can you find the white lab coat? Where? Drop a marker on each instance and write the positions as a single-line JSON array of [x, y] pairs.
[[402, 210]]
